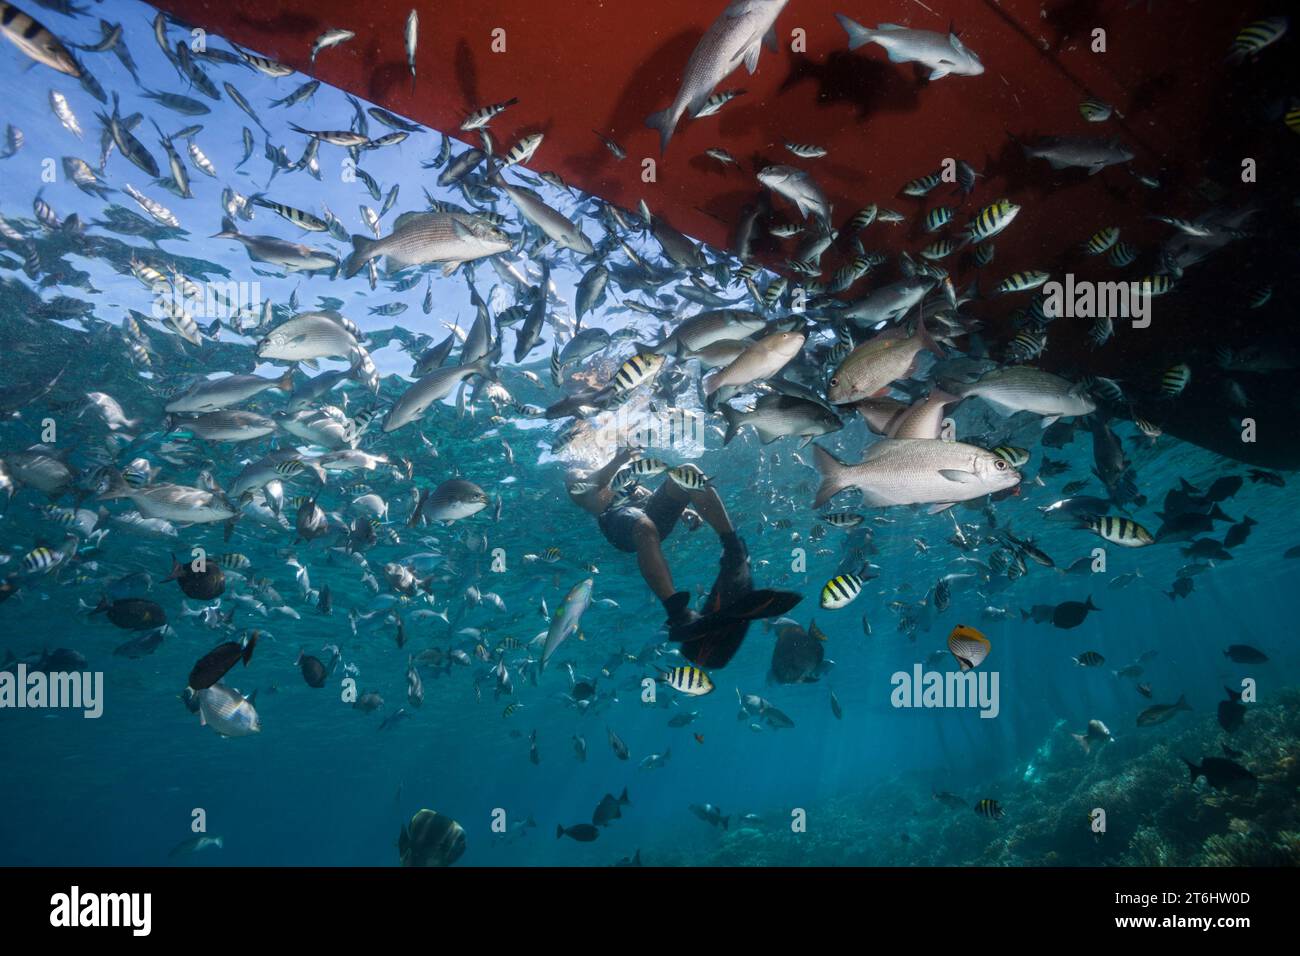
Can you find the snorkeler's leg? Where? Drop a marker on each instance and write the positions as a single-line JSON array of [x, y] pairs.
[[734, 579], [650, 559], [709, 504], [733, 599]]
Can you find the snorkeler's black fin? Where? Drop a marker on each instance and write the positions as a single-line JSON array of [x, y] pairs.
[[715, 647], [760, 604], [751, 606]]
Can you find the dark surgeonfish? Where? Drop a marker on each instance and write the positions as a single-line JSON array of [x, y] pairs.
[[1221, 773], [203, 585], [1245, 654], [314, 672], [582, 832], [1232, 712], [1159, 713], [213, 666], [608, 808], [132, 614], [1070, 614]]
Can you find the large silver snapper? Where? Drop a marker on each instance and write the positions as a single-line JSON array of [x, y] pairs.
[[910, 471], [423, 237], [735, 37]]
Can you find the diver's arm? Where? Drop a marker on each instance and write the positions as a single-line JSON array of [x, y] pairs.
[[597, 498], [604, 476]]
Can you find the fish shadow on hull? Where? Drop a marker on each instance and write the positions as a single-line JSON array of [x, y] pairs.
[[726, 208], [386, 80], [650, 87], [280, 25], [467, 73], [1073, 20], [872, 86]]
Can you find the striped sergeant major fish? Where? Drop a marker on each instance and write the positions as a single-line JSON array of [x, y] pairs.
[[841, 590], [1124, 532], [1101, 241], [716, 102], [991, 220], [922, 185], [36, 41], [42, 560], [688, 680], [1021, 282], [1254, 37], [638, 369]]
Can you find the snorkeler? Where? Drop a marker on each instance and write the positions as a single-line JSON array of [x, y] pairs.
[[642, 520]]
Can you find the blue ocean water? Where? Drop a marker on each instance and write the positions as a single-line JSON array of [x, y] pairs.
[[322, 784]]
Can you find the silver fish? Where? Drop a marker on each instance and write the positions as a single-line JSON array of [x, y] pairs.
[[942, 55], [328, 40], [735, 37], [800, 188], [1083, 152], [227, 712], [421, 237], [36, 41], [915, 471]]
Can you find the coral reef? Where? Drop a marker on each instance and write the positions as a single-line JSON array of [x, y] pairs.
[[1155, 814]]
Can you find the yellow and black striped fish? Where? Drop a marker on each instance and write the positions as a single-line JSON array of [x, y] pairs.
[[840, 591], [991, 220], [1292, 118], [1102, 240], [1013, 456], [843, 519], [990, 809], [1121, 255], [937, 218], [919, 187], [688, 679], [636, 370], [1027, 345], [938, 250], [647, 467], [1175, 380], [775, 289], [1124, 532], [1157, 284], [862, 218], [688, 476], [1021, 282], [1256, 36], [39, 560]]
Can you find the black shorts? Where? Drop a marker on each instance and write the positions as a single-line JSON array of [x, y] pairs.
[[663, 508]]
